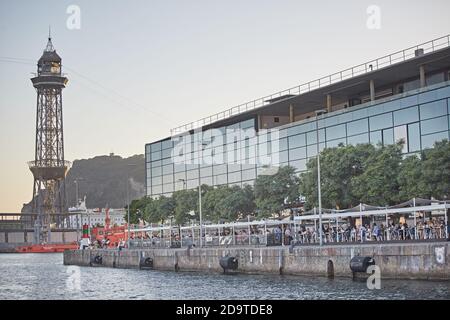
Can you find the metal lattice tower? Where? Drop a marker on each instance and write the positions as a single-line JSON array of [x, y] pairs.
[[49, 167]]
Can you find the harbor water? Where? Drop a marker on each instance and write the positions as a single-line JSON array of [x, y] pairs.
[[43, 276]]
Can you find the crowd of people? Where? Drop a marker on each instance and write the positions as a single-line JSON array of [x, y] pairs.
[[288, 233], [423, 230]]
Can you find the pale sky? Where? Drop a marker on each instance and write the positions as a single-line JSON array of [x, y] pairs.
[[137, 69]]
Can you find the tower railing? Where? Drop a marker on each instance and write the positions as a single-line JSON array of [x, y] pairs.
[[370, 66], [46, 163]]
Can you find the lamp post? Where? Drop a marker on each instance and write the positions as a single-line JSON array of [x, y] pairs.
[[76, 182], [199, 207], [138, 215], [318, 113], [170, 231], [76, 192], [128, 204], [200, 212], [76, 206], [184, 183], [200, 197]]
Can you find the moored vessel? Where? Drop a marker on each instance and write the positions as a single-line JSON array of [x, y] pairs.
[[47, 248]]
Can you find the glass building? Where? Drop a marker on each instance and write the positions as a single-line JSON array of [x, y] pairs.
[[407, 100]]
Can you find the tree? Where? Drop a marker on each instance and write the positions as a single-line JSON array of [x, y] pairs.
[[236, 203], [338, 166], [246, 202], [164, 208], [213, 196], [436, 171], [150, 212], [136, 210], [378, 184], [411, 179], [185, 202], [273, 191]]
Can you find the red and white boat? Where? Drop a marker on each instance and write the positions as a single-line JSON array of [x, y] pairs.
[[47, 248]]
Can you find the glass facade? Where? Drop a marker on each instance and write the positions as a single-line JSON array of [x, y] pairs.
[[227, 162], [418, 118]]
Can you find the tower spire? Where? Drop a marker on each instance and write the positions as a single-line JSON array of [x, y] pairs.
[[49, 47]]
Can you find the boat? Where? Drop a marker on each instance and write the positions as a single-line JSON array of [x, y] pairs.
[[47, 248], [112, 237]]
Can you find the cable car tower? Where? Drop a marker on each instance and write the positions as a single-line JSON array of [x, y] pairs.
[[49, 167]]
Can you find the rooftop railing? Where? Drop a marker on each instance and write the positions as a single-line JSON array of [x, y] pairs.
[[373, 65]]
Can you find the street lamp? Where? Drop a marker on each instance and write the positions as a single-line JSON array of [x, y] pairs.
[[199, 207], [76, 207], [200, 211], [76, 192], [170, 230], [76, 181], [318, 113], [128, 204], [184, 183], [200, 197]]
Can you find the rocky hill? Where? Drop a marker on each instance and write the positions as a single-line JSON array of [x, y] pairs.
[[103, 180]]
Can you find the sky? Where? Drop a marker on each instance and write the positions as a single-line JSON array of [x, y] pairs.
[[137, 69]]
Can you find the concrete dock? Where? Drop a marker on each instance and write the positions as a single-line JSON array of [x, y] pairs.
[[428, 261]]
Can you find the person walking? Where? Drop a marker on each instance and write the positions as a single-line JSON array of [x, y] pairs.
[[287, 236]]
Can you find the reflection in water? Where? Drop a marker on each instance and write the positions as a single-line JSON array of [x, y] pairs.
[[28, 276]]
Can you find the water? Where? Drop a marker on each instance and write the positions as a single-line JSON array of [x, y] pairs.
[[43, 276]]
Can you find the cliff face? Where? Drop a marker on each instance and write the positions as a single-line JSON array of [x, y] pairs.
[[103, 180]]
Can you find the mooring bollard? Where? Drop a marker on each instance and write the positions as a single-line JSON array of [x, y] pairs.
[[360, 264], [97, 260], [146, 263], [228, 263]]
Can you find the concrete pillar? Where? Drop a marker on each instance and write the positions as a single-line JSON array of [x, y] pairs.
[[372, 90], [422, 77], [291, 113], [329, 102], [259, 122]]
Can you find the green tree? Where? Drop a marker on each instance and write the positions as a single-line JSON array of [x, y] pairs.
[[411, 179], [236, 203], [338, 166], [165, 208], [273, 191], [436, 171], [378, 184], [210, 202], [150, 212], [185, 202], [137, 207]]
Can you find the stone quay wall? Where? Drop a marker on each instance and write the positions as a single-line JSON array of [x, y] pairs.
[[430, 260]]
